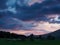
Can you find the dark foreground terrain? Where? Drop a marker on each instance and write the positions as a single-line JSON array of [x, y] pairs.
[[36, 42]]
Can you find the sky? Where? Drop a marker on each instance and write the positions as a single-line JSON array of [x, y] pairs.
[[30, 16]]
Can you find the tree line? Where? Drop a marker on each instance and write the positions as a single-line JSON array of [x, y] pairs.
[[31, 37]]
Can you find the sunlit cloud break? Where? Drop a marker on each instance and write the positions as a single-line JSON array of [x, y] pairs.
[[54, 17], [40, 27]]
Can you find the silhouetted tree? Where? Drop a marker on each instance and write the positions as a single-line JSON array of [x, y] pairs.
[[31, 37], [4, 34], [40, 37]]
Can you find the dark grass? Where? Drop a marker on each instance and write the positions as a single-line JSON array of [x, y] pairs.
[[28, 42]]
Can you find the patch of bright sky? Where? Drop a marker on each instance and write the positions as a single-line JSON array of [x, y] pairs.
[[35, 1], [54, 17], [41, 27]]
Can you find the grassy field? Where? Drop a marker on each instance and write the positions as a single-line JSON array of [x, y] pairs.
[[39, 42]]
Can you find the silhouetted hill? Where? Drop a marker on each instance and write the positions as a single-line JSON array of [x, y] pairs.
[[56, 34]]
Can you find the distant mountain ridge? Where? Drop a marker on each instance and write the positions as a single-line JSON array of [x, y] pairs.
[[56, 34]]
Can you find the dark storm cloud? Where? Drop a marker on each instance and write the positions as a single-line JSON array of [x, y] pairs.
[[37, 10], [2, 4]]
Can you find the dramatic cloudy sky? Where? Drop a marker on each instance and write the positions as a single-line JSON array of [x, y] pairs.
[[30, 16]]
